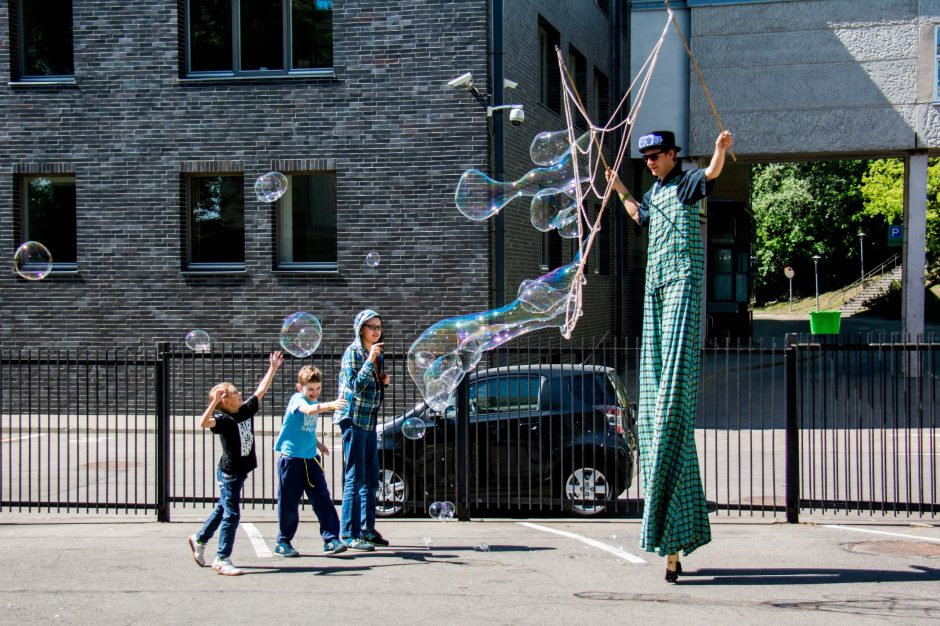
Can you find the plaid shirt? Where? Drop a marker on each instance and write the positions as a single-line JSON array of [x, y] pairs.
[[359, 384]]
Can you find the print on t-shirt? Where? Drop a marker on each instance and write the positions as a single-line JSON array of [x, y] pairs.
[[310, 423], [247, 436]]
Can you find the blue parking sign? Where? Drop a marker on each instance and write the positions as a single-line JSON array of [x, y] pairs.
[[895, 235]]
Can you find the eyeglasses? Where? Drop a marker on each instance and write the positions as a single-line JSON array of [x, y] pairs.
[[374, 327], [652, 157]]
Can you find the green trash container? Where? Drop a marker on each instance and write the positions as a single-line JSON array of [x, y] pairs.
[[825, 322]]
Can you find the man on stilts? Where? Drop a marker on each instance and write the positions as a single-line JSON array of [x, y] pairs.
[[675, 516]]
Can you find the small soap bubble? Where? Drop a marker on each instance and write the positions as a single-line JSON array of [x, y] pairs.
[[441, 510], [482, 548], [301, 334], [32, 261], [373, 259], [427, 542], [271, 186], [413, 428], [198, 341]]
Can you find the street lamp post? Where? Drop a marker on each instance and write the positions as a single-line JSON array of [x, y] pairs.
[[861, 252], [816, 258]]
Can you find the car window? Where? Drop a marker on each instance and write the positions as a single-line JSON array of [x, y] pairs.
[[590, 390], [501, 394]]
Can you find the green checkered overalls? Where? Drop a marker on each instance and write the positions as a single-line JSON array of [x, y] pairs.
[[675, 517]]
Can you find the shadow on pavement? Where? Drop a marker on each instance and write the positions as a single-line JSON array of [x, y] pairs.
[[805, 576]]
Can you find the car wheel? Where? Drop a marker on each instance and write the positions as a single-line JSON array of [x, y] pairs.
[[391, 494], [587, 490]]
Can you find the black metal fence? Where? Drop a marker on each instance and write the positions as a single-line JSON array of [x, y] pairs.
[[830, 427]]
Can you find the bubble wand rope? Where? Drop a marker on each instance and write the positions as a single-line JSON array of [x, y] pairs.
[[698, 73]]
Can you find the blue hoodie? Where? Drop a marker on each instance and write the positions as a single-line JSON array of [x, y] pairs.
[[359, 380]]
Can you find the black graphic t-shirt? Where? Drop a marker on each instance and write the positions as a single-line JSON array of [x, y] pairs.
[[237, 434]]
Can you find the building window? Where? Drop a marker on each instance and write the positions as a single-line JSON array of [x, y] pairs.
[[550, 250], [307, 223], [601, 101], [49, 218], [549, 80], [259, 37], [216, 222], [578, 68], [43, 45]]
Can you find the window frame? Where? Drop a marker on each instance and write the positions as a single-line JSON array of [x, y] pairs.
[[58, 267], [280, 209], [213, 266], [236, 60], [549, 80], [936, 63], [18, 45]]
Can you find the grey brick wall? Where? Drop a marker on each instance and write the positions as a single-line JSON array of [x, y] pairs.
[[398, 135]]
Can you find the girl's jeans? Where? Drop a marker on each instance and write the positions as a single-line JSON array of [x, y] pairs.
[[361, 470]]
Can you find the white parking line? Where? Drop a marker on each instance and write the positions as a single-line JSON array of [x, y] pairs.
[[623, 554], [257, 541], [880, 532], [20, 438]]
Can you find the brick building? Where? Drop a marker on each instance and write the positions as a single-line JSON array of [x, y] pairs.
[[133, 133]]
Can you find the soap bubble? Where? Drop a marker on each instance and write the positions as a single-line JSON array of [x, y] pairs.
[[548, 203], [480, 197], [442, 510], [301, 334], [271, 186], [482, 547], [373, 259], [551, 147], [198, 341], [32, 261], [444, 353], [413, 428], [427, 542]]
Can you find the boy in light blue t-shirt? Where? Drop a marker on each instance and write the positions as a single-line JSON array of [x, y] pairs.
[[299, 469]]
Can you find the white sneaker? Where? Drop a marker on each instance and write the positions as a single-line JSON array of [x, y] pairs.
[[199, 551], [225, 567]]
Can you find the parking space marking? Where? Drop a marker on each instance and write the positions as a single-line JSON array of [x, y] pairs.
[[15, 439], [880, 532], [257, 541], [623, 554]]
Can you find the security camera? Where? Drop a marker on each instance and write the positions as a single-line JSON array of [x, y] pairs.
[[462, 80], [516, 116]]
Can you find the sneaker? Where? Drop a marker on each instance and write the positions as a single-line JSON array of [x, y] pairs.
[[334, 546], [286, 550], [199, 551], [358, 544], [373, 537], [225, 567]]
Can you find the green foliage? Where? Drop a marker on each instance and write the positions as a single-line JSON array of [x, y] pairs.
[[801, 210], [883, 191]]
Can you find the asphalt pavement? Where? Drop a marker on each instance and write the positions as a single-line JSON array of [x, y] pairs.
[[117, 569]]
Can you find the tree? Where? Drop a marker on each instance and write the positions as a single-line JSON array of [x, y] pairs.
[[806, 209], [883, 192]]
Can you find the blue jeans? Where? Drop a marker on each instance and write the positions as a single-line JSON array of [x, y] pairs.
[[296, 477], [361, 479], [225, 515]]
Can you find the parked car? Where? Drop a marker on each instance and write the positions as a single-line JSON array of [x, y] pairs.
[[539, 435]]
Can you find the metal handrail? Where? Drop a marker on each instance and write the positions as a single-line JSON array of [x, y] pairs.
[[880, 270]]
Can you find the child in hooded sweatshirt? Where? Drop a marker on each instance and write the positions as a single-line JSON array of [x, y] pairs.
[[362, 383]]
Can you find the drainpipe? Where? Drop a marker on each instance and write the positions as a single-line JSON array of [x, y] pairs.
[[499, 224], [617, 20]]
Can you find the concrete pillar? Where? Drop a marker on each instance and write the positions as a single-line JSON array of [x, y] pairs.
[[915, 244]]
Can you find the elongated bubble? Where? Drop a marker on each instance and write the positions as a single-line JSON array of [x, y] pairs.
[[551, 147], [445, 352]]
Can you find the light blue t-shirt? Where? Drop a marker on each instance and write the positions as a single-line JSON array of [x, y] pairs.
[[298, 437]]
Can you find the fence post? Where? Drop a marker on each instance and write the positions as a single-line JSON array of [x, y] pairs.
[[463, 450], [792, 470], [162, 387]]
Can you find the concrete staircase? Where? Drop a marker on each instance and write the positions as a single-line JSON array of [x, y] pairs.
[[874, 287]]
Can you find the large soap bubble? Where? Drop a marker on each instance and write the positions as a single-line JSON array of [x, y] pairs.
[[32, 261], [198, 341], [413, 428], [445, 352], [479, 197], [271, 186], [301, 334], [551, 147]]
